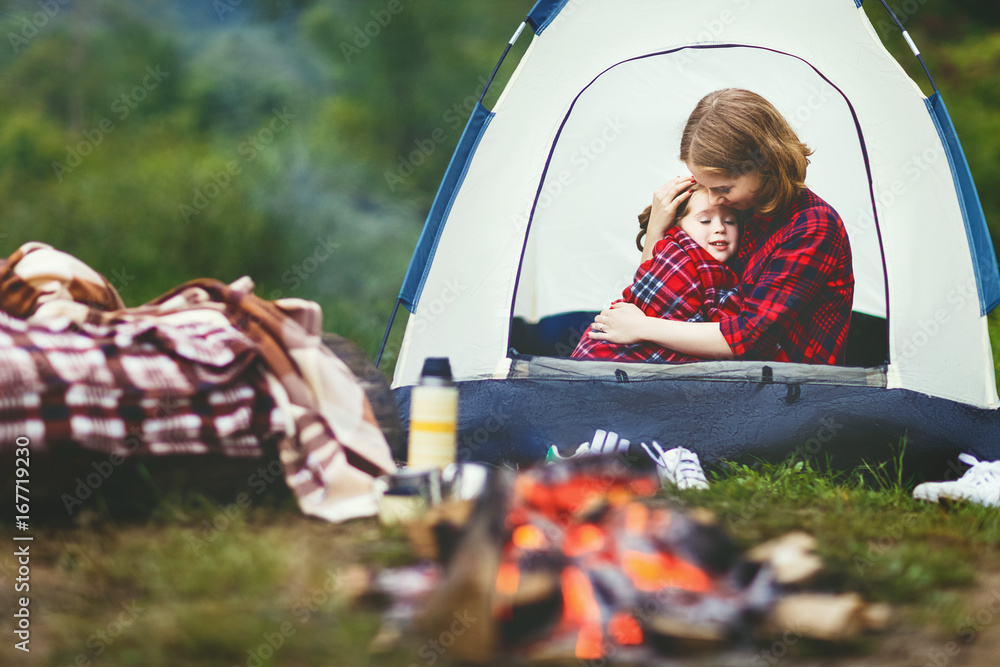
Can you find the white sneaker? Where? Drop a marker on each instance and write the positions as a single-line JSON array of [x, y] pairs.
[[604, 442], [678, 466], [980, 484]]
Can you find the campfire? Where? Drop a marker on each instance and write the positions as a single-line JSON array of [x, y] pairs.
[[580, 560]]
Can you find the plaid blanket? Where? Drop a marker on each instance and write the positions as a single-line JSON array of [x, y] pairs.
[[206, 368], [680, 282]]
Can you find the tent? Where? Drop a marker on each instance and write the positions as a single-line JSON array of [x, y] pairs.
[[532, 232]]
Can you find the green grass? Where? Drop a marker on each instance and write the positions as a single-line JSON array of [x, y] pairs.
[[189, 584], [192, 586], [873, 537]]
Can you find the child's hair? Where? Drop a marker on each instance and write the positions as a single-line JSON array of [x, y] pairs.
[[681, 212], [735, 132]]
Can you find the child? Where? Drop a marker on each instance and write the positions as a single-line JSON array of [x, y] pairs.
[[685, 279]]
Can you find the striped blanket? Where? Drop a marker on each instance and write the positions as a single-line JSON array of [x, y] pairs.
[[206, 368]]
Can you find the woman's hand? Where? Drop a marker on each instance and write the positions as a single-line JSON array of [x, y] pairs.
[[663, 212], [624, 323], [666, 199], [621, 323]]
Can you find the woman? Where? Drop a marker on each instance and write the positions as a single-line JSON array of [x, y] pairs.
[[794, 261]]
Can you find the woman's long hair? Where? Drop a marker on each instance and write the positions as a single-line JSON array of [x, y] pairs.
[[734, 132]]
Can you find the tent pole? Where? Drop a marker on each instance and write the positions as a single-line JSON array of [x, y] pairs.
[[510, 43], [395, 308], [503, 56], [913, 46], [385, 337]]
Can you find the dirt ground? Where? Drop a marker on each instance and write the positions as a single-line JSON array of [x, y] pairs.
[[969, 635], [974, 639]]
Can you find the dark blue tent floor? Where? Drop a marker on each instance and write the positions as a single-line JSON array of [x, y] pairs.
[[738, 411]]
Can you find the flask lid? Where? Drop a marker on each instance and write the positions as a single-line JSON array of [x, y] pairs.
[[437, 367]]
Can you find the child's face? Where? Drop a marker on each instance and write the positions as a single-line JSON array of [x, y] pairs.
[[714, 228]]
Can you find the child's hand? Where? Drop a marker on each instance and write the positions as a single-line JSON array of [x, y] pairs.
[[620, 323], [666, 199]]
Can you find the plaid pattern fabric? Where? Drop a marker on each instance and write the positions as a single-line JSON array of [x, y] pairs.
[[207, 368], [680, 282], [797, 286], [99, 385]]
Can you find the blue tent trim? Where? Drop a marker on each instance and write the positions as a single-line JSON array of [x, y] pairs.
[[423, 255], [983, 258], [543, 13]]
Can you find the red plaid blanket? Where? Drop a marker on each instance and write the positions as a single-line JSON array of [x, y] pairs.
[[681, 282], [207, 368]]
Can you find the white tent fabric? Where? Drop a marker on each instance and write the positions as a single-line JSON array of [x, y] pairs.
[[622, 120], [589, 125]]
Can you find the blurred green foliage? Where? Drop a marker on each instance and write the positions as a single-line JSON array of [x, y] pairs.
[[162, 142], [960, 42]]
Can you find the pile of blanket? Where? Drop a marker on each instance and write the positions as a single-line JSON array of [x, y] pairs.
[[206, 368]]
